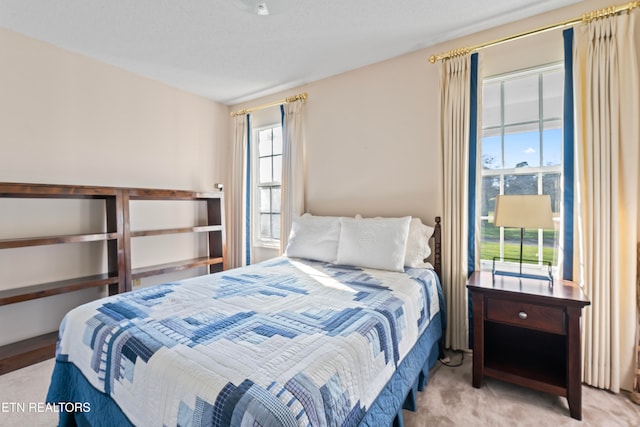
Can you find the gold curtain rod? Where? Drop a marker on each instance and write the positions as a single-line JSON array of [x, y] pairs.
[[585, 18], [299, 97]]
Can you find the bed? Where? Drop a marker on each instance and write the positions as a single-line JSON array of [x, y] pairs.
[[291, 341]]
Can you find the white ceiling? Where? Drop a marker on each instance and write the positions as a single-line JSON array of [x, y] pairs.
[[222, 50]]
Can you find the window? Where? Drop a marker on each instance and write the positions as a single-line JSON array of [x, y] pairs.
[[521, 154], [267, 183]]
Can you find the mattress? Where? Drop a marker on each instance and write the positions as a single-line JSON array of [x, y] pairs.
[[287, 342]]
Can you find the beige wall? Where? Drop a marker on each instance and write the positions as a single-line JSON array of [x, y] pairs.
[[372, 134], [67, 119]]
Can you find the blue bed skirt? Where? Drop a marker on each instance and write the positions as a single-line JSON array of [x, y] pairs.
[[69, 385], [411, 376]]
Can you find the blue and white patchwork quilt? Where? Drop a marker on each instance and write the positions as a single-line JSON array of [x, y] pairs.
[[287, 342]]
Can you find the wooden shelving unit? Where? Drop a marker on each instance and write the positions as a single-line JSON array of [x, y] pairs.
[[36, 349], [119, 275], [213, 227]]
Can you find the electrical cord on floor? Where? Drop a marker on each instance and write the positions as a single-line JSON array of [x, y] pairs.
[[446, 361]]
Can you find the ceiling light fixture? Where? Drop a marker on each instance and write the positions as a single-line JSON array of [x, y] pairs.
[[269, 8], [261, 8]]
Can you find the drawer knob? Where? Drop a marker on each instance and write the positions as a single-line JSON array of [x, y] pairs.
[[522, 315]]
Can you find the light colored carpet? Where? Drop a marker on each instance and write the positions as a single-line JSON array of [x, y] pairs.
[[26, 386], [449, 400]]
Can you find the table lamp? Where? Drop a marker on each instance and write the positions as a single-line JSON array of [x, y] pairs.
[[523, 211]]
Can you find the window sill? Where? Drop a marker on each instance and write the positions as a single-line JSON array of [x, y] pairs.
[[267, 244]]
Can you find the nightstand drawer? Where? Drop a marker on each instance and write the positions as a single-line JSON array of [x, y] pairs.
[[533, 316]]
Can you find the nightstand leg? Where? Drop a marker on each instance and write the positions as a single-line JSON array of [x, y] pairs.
[[574, 363], [478, 339]]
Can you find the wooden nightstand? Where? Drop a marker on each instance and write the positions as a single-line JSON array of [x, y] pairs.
[[528, 333]]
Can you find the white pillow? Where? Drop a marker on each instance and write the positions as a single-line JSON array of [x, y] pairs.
[[314, 237], [418, 248], [374, 243]]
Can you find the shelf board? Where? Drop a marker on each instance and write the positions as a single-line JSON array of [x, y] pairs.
[[541, 381], [27, 352], [54, 240], [26, 293], [196, 229], [157, 194], [52, 191], [154, 270]]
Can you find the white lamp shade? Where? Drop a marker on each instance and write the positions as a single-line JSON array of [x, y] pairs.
[[523, 211]]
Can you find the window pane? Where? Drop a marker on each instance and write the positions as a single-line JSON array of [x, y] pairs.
[[522, 146], [491, 104], [489, 240], [264, 148], [512, 243], [265, 199], [552, 93], [491, 151], [490, 189], [277, 168], [521, 184], [275, 226], [551, 186], [265, 226], [265, 170], [552, 143], [521, 99], [277, 140], [550, 244], [276, 199], [265, 135]]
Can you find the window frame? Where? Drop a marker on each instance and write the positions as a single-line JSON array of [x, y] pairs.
[[538, 171], [256, 186]]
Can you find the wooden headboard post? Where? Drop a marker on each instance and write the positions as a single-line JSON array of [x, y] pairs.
[[437, 248]]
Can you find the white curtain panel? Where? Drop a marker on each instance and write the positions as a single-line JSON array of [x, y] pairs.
[[607, 92], [454, 131], [635, 390], [236, 196], [293, 167]]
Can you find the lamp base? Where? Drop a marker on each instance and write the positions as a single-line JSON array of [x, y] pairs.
[[519, 273]]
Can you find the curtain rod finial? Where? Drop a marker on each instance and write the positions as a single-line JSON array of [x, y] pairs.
[[432, 59]]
